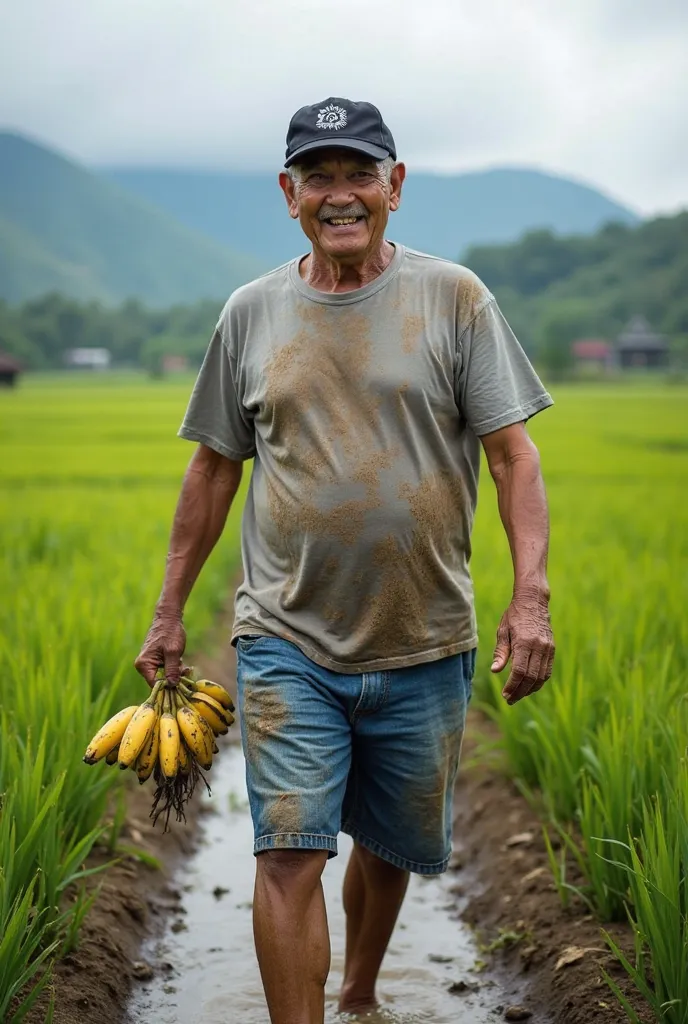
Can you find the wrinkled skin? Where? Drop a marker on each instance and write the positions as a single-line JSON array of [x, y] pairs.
[[163, 648], [339, 182], [525, 635], [210, 483]]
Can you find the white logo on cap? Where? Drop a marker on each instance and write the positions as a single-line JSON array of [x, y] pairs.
[[331, 118]]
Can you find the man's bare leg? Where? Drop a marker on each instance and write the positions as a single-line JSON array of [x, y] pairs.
[[374, 890], [290, 929]]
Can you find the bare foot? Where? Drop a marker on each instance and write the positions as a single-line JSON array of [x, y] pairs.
[[357, 1002], [373, 1016]]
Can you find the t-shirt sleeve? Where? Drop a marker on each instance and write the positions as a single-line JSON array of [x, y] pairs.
[[215, 416], [496, 384]]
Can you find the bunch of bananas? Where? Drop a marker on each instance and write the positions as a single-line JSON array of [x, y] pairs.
[[171, 736]]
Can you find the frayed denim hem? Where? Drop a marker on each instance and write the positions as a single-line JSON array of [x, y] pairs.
[[415, 866], [296, 841]]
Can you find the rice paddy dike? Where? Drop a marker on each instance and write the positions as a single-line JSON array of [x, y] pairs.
[[89, 476]]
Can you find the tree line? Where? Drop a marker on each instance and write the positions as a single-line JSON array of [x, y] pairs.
[[41, 331], [552, 289]]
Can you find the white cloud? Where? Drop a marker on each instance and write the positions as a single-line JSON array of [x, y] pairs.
[[592, 88]]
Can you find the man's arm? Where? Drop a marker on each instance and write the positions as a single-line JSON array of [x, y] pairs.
[[210, 484], [524, 633]]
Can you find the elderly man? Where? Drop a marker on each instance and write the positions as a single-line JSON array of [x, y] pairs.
[[362, 379]]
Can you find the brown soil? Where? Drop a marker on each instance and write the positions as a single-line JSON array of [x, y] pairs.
[[504, 889], [92, 984]]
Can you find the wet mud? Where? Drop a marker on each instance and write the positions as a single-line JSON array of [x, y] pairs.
[[135, 898], [210, 974], [504, 887], [164, 946], [479, 944]]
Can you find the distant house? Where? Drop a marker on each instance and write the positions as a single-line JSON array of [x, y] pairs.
[[9, 370], [87, 358], [638, 347], [593, 355], [174, 364]]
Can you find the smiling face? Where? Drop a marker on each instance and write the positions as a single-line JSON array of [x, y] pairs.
[[342, 200]]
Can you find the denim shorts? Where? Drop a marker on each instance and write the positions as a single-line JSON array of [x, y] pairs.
[[374, 755]]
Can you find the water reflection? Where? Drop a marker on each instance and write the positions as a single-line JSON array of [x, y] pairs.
[[206, 971]]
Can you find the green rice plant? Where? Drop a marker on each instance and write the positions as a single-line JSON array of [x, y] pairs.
[[24, 956], [600, 744], [629, 763], [88, 482], [657, 868]]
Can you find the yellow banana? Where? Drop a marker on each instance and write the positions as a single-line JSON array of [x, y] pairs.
[[212, 702], [169, 741], [110, 735], [138, 732], [145, 762], [213, 690], [214, 713], [184, 759], [193, 729], [205, 726], [113, 756]]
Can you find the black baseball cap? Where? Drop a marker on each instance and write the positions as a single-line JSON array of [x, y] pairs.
[[338, 122]]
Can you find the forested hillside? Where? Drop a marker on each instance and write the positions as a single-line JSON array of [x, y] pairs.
[[65, 229], [555, 289]]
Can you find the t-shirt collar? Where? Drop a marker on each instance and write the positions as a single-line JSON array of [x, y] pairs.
[[344, 298]]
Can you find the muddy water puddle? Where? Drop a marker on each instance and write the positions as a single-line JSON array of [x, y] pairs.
[[206, 971]]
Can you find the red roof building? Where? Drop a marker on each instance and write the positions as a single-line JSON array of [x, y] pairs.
[[9, 369], [595, 350]]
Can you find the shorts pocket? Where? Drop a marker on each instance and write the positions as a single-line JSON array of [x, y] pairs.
[[248, 641], [468, 661]]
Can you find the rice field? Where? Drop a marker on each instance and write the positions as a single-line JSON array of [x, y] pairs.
[[89, 477], [603, 747], [89, 474]]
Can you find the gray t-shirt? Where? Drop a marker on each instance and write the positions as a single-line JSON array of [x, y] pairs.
[[362, 411]]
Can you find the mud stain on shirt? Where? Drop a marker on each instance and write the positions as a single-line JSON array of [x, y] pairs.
[[437, 504], [411, 330], [471, 294], [324, 420], [412, 574], [298, 516], [323, 366]]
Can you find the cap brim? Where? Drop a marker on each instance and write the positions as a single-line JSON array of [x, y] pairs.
[[376, 152]]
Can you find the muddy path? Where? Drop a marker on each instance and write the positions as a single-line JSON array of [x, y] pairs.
[[211, 975], [479, 944], [505, 889]]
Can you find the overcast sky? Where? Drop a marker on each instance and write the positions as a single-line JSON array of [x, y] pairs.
[[596, 89]]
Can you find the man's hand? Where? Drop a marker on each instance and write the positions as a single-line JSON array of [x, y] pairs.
[[525, 635], [163, 647]]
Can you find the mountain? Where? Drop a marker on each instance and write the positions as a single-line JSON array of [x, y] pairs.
[[440, 214], [65, 228]]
